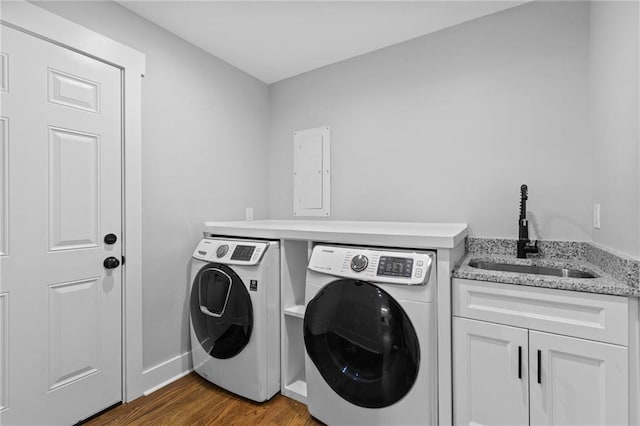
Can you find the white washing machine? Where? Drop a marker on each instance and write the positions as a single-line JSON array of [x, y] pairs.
[[370, 336], [235, 315]]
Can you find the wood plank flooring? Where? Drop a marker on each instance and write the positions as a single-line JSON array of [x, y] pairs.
[[192, 400]]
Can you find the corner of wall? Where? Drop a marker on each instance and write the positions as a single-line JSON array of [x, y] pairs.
[[614, 112], [169, 371]]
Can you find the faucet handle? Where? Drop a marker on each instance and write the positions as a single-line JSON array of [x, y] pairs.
[[532, 247]]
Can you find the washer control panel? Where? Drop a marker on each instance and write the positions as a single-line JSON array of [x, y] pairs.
[[395, 266], [370, 264], [230, 252]]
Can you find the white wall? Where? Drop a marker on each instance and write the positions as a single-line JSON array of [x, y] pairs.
[[614, 89], [204, 144], [446, 127]]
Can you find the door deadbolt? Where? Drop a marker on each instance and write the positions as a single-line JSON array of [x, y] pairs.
[[111, 263], [110, 239]]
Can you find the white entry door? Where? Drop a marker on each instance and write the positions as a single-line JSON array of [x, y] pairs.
[[60, 165]]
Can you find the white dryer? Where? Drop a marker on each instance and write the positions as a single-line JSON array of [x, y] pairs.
[[235, 318], [370, 336]]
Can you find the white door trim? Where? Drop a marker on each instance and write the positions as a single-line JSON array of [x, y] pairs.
[[46, 25]]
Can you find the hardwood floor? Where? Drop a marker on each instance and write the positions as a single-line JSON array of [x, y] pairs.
[[192, 400]]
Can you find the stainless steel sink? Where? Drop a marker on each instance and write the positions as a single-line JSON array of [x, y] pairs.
[[528, 269]]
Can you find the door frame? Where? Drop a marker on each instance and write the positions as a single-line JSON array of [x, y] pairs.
[[45, 25]]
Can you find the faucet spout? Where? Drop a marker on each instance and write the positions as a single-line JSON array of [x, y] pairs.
[[524, 245]]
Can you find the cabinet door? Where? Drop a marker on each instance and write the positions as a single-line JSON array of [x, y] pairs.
[[577, 382], [490, 384]]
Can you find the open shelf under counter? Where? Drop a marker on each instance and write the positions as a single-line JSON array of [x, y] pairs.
[[296, 390], [295, 311]]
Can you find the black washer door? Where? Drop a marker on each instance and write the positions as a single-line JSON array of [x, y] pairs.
[[362, 342], [221, 311]]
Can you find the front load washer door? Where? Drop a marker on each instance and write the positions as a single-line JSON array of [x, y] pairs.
[[221, 311], [362, 343]]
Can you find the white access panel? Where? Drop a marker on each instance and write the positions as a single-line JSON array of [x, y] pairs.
[[311, 172]]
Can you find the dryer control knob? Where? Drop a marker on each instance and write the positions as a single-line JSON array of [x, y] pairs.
[[222, 250], [359, 263]]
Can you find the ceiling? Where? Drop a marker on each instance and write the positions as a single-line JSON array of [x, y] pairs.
[[274, 40]]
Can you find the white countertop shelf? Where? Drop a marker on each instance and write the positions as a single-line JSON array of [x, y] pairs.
[[391, 234], [295, 311]]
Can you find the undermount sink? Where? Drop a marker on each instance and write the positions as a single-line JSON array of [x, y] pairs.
[[529, 269]]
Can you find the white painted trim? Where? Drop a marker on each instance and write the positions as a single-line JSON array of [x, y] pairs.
[[4, 351], [446, 259], [634, 362], [166, 382], [162, 374], [46, 25]]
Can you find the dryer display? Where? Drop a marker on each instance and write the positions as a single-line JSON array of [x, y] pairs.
[[395, 266], [243, 252]]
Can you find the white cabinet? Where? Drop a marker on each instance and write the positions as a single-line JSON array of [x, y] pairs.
[[490, 374], [577, 381], [512, 375]]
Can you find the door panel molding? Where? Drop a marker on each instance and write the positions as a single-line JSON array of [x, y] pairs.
[[73, 91], [74, 306], [4, 186], [74, 189], [40, 23], [4, 72], [4, 351]]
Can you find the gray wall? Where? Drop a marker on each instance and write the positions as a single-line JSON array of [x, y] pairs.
[[441, 128], [204, 128], [614, 80], [446, 127]]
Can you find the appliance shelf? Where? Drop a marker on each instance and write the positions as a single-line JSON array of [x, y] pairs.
[[297, 390], [295, 311]]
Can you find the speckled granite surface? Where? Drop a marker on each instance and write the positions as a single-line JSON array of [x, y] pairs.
[[616, 275], [548, 249], [619, 266]]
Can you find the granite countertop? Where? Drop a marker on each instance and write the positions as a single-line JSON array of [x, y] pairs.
[[605, 283]]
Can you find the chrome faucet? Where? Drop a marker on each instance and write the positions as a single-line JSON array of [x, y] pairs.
[[525, 245]]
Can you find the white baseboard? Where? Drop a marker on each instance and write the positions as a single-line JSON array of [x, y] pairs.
[[169, 371], [634, 362]]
